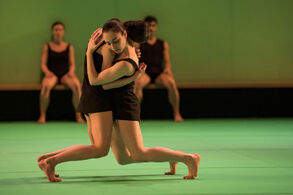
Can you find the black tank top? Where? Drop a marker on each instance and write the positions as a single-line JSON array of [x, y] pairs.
[[98, 61], [58, 62], [152, 56], [131, 61], [93, 98]]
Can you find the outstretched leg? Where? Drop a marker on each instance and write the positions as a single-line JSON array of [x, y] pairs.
[[101, 124], [131, 135], [122, 154]]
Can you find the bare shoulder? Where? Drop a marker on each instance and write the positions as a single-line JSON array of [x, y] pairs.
[[126, 65], [45, 47], [106, 50], [166, 45]]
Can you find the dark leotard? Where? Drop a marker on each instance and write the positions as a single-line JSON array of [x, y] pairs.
[[124, 102], [152, 56], [58, 62], [94, 98], [121, 101]]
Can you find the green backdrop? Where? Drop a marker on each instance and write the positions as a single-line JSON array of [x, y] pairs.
[[210, 40]]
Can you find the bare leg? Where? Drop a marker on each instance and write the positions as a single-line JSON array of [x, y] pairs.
[[73, 83], [45, 156], [140, 83], [101, 124], [131, 135], [173, 94], [119, 149], [47, 84]]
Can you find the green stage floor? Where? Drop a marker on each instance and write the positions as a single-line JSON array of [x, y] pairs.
[[239, 156]]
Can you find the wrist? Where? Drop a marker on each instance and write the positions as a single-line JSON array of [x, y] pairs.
[[89, 52]]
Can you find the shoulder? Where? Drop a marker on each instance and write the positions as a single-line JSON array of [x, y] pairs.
[[126, 65], [45, 46], [106, 50], [166, 45], [70, 47]]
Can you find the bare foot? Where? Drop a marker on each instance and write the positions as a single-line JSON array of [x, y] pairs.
[[173, 166], [78, 118], [178, 118], [49, 170], [192, 163], [42, 119], [43, 157]]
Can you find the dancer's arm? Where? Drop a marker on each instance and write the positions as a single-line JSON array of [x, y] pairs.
[[111, 74], [44, 61], [167, 61], [71, 61], [125, 81]]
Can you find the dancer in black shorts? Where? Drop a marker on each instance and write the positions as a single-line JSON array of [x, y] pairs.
[[120, 37], [155, 53]]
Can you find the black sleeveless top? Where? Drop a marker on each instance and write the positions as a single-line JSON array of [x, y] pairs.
[[152, 56], [125, 105], [58, 62], [93, 98]]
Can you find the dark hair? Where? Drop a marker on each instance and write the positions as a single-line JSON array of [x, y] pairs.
[[151, 19], [136, 30], [57, 23]]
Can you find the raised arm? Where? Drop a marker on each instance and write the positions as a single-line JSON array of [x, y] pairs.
[[111, 74], [125, 81]]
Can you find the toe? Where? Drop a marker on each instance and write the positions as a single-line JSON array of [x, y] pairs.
[[189, 177]]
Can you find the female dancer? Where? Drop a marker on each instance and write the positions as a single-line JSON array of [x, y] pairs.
[[58, 65], [125, 111]]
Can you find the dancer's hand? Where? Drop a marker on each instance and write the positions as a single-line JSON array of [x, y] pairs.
[[49, 74], [138, 53], [70, 74], [167, 71], [141, 70], [95, 40]]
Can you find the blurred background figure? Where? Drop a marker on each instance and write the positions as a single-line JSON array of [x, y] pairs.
[[155, 53], [58, 66]]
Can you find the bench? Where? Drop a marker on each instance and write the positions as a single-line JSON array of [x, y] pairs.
[[183, 85]]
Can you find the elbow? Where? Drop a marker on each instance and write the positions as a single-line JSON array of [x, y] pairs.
[[93, 82]]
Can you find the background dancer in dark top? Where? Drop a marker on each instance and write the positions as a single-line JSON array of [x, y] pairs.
[[58, 66], [155, 53]]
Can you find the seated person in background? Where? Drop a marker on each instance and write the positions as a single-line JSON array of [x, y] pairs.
[[154, 53], [58, 65]]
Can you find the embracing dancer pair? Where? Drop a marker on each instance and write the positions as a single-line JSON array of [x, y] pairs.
[[108, 101]]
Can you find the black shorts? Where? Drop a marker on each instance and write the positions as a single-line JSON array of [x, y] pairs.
[[59, 76], [125, 105], [94, 99], [153, 76]]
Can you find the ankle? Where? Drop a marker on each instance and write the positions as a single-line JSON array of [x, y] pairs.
[[51, 161], [187, 158]]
